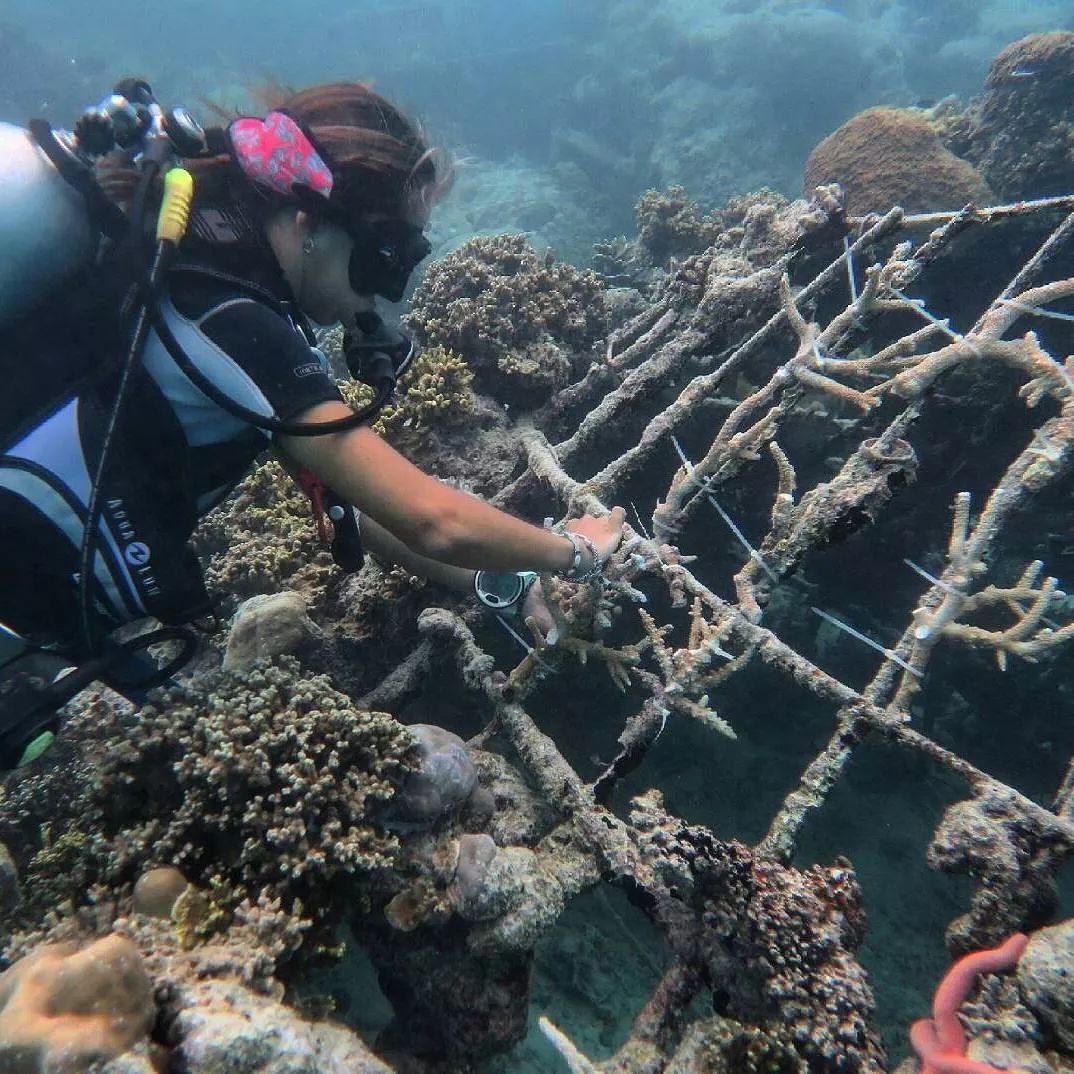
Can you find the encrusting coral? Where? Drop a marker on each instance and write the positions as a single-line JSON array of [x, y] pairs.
[[523, 324]]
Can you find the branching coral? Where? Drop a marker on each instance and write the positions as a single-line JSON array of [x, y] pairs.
[[435, 392], [262, 539], [671, 225], [270, 780], [264, 785]]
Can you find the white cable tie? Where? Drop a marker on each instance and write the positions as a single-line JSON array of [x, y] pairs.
[[821, 360], [894, 657], [944, 324], [751, 551], [1037, 311], [637, 518], [530, 650], [930, 577], [850, 269]]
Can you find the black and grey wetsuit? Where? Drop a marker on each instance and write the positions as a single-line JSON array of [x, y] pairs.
[[175, 454]]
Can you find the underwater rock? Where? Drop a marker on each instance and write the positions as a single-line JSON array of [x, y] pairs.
[[267, 626], [85, 1005], [443, 782], [223, 1028], [475, 856], [156, 892], [521, 816], [130, 1063], [492, 884], [891, 156], [9, 881], [1046, 981], [1021, 133], [1012, 862]]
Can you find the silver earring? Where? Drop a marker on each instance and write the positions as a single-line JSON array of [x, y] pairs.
[[308, 245]]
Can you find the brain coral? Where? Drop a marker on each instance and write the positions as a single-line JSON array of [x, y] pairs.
[[524, 324], [888, 156]]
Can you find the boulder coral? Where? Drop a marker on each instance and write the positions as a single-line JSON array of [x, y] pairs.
[[65, 1008], [524, 324], [891, 156]]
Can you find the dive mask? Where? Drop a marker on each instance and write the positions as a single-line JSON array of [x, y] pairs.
[[384, 254], [279, 155]]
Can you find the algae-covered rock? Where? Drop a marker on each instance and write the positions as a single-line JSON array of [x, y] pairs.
[[267, 626], [223, 1028]]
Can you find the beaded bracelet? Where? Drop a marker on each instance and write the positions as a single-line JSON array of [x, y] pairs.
[[575, 573]]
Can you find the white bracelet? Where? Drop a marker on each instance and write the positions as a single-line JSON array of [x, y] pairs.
[[575, 572]]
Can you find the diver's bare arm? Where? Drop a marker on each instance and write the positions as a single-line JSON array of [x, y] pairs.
[[431, 519], [382, 544]]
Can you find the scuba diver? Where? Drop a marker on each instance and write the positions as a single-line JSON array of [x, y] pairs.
[[146, 371]]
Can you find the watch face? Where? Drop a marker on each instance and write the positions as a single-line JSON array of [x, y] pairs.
[[498, 589]]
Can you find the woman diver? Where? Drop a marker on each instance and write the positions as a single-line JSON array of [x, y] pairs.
[[309, 212]]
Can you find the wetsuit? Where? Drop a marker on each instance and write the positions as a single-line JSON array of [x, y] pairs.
[[175, 453]]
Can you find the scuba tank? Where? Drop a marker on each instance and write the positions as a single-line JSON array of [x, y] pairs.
[[45, 231], [52, 212]]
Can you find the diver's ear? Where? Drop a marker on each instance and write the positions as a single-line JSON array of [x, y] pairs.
[[304, 224]]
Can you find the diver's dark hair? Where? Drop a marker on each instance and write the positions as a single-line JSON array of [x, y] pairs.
[[379, 157]]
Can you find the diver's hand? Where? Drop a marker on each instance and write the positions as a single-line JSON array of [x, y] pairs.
[[535, 609], [605, 532]]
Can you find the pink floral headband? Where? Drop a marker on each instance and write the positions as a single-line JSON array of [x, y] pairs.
[[273, 152]]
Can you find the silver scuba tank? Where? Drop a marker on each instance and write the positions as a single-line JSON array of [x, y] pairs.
[[45, 233]]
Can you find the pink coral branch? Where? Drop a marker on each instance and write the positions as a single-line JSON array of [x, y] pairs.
[[939, 1041]]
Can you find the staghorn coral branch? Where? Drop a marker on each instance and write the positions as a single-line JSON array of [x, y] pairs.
[[701, 388], [984, 215]]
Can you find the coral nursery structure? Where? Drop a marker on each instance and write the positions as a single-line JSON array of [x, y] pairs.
[[847, 443]]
